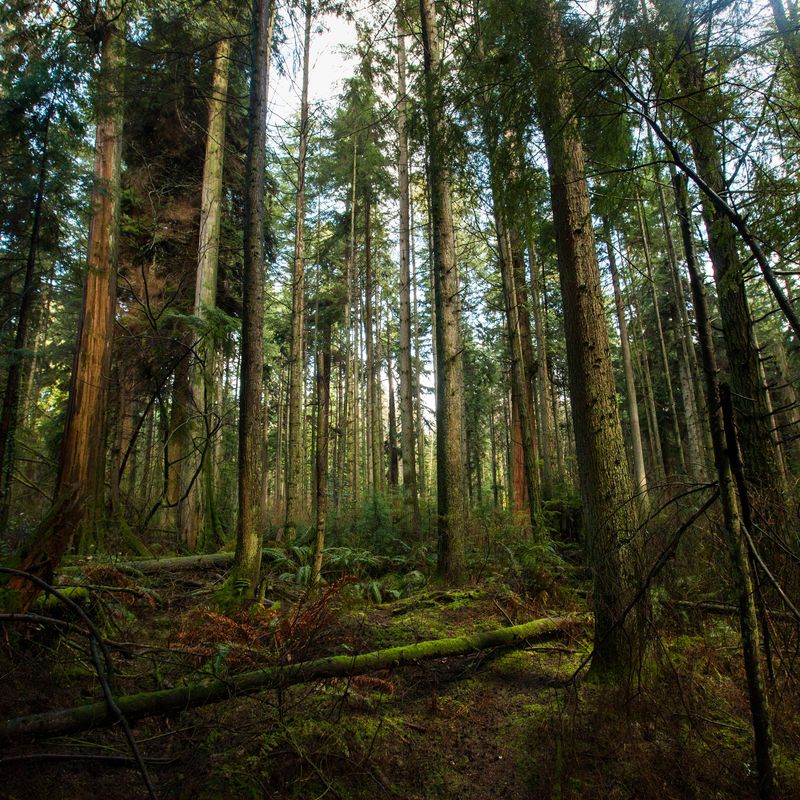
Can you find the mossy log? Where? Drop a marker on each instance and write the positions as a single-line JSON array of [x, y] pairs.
[[170, 701]]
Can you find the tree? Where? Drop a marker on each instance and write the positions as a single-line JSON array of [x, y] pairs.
[[249, 530], [610, 517], [296, 449], [699, 111], [450, 482], [201, 499]]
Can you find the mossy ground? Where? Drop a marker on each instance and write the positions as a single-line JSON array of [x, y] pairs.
[[503, 724]]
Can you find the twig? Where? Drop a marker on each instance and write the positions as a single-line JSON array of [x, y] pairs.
[[503, 611]]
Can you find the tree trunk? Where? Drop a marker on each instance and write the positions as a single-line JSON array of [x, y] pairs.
[[407, 436], [760, 455], [421, 472], [610, 516], [373, 427], [201, 511], [662, 346], [547, 427], [526, 491], [451, 493], [79, 484], [699, 441], [394, 465], [734, 528], [171, 701], [250, 525], [296, 449], [323, 440], [639, 476]]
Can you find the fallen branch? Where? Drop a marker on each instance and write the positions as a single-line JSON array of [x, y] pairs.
[[170, 701]]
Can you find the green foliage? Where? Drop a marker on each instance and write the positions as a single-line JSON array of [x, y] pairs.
[[536, 567]]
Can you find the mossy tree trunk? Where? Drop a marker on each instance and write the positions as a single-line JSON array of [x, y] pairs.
[[201, 498], [734, 527]]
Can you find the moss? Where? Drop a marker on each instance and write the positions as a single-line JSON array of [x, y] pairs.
[[787, 772], [233, 594], [533, 723], [78, 594], [513, 664]]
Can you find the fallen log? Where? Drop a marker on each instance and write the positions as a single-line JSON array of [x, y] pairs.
[[170, 701], [726, 610], [150, 566]]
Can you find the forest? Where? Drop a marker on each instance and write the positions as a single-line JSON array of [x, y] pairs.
[[400, 400]]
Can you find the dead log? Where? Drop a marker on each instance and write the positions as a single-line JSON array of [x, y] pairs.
[[171, 701]]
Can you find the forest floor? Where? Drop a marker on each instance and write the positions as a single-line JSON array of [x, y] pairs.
[[512, 724]]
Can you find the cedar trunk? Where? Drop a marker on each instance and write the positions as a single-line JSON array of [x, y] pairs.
[[79, 484]]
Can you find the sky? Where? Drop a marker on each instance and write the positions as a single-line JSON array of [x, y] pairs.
[[329, 67]]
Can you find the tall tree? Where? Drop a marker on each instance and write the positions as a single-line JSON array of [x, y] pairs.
[[296, 450], [451, 488], [79, 484], [610, 517], [251, 427], [725, 453], [201, 503], [701, 109], [407, 435]]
